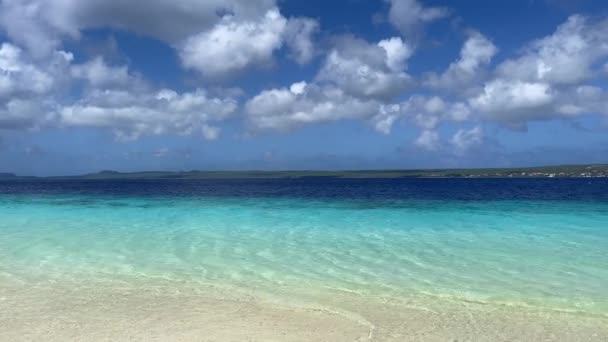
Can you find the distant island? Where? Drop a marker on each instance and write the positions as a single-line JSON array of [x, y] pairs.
[[558, 171]]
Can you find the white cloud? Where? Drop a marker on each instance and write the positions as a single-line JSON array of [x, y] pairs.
[[299, 38], [516, 102], [434, 105], [41, 24], [25, 113], [463, 139], [428, 140], [355, 81], [99, 74], [233, 45], [31, 96], [298, 88], [210, 132], [30, 24], [565, 57], [27, 87], [397, 53], [547, 80], [283, 109], [374, 74], [582, 99], [512, 97], [408, 16], [459, 111], [385, 119], [130, 115], [215, 37], [552, 77], [426, 112], [366, 70], [476, 52], [18, 76]]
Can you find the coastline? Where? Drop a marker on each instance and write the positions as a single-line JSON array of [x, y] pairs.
[[547, 171], [167, 311]]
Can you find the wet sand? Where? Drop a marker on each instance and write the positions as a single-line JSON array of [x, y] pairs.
[[64, 312]]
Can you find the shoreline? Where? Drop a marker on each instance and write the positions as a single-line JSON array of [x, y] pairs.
[[538, 171], [164, 311]]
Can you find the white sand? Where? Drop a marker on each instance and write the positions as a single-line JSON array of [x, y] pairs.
[[100, 313]]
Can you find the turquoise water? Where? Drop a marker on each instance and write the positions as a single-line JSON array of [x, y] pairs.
[[543, 253]]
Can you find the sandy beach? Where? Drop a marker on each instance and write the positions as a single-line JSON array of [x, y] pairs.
[[56, 312]]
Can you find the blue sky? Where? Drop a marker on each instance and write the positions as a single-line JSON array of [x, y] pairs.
[[265, 84]]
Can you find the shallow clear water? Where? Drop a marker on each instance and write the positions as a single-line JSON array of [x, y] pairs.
[[525, 242]]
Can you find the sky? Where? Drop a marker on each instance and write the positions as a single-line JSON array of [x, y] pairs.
[[90, 85]]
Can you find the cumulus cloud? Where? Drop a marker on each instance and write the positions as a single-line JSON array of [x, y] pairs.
[[100, 74], [115, 99], [365, 70], [356, 81], [548, 79], [25, 113], [35, 76], [299, 37], [515, 97], [476, 53], [428, 140], [234, 45], [18, 76], [408, 16], [31, 24], [283, 109], [557, 76], [386, 117], [26, 87], [426, 112], [215, 37], [565, 57], [465, 139], [130, 115], [397, 53], [582, 99], [461, 142], [40, 25]]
